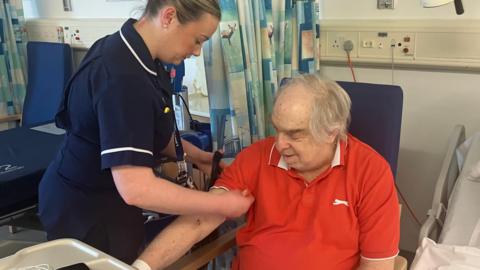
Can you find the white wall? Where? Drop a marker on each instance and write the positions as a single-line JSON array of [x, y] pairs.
[[329, 9], [434, 101], [404, 9], [83, 9]]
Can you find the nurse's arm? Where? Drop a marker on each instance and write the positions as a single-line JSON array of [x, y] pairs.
[[138, 186], [194, 155], [177, 239]]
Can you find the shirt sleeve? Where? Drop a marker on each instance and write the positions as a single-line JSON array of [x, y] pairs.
[[242, 173], [126, 112], [378, 214]]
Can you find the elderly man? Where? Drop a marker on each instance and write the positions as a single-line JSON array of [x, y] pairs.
[[323, 199]]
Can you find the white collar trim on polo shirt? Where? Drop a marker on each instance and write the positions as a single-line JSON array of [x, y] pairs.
[[135, 55], [336, 156], [283, 164]]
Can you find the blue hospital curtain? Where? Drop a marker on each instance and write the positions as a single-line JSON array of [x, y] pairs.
[[12, 57], [258, 43]]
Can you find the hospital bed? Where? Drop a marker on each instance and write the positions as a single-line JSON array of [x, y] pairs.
[[449, 238], [25, 152], [24, 155]]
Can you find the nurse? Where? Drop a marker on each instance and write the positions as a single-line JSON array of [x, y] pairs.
[[119, 125]]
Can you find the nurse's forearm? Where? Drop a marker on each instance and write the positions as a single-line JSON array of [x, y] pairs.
[[193, 152], [139, 187]]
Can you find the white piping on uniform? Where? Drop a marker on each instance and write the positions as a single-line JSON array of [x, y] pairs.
[[136, 56], [122, 149]]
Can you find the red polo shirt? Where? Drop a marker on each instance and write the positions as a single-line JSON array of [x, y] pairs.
[[351, 210]]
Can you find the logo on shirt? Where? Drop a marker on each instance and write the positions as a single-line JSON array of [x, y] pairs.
[[340, 202], [8, 168]]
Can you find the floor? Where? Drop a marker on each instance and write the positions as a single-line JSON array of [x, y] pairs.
[[23, 237], [11, 243]]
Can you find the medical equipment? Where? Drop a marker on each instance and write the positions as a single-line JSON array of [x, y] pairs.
[[60, 253]]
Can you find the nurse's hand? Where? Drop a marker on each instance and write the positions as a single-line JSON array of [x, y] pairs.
[[236, 203]]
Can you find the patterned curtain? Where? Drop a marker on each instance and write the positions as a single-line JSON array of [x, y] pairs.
[[12, 57], [257, 44]]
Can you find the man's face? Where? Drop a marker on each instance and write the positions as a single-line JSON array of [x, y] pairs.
[[294, 139]]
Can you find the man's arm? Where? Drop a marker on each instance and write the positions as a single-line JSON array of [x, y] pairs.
[[387, 264], [176, 239]]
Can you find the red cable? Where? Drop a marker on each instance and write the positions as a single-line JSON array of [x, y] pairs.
[[351, 67], [408, 207]]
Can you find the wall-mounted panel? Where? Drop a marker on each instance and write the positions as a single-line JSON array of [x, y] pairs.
[[433, 44], [448, 45]]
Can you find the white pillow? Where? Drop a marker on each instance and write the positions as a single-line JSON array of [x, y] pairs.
[[474, 174], [475, 238], [433, 256]]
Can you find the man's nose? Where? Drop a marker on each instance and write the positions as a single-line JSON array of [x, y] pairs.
[[282, 142]]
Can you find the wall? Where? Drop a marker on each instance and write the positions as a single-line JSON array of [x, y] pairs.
[[329, 9], [83, 9], [434, 101], [404, 9]]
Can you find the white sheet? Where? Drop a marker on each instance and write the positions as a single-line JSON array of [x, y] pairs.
[[432, 256], [49, 128], [463, 210]]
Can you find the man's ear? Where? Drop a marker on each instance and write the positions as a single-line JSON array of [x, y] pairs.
[[332, 136]]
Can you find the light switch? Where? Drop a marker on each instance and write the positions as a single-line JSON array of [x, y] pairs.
[[385, 4], [67, 5]]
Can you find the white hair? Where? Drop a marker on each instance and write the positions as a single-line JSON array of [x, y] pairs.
[[330, 105]]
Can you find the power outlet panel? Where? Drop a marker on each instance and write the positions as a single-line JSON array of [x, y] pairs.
[[44, 33], [383, 44], [335, 42], [79, 34]]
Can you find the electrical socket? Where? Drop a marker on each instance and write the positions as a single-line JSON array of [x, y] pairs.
[[335, 43], [348, 45]]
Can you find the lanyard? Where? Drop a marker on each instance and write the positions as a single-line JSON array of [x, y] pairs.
[[183, 178]]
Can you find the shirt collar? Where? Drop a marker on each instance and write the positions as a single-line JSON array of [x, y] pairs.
[[137, 47], [276, 159]]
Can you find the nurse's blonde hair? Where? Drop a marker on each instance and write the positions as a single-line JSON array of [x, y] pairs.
[[330, 108], [187, 10]]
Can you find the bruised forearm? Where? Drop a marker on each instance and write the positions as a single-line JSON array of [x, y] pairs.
[[175, 240]]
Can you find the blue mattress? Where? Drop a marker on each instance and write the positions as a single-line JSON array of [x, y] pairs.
[[24, 155]]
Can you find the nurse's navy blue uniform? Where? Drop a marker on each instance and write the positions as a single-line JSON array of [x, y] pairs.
[[115, 113]]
